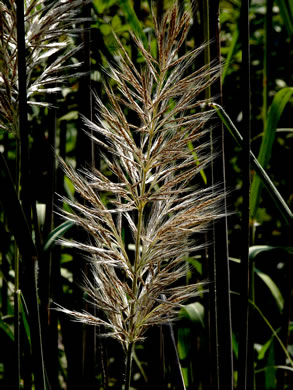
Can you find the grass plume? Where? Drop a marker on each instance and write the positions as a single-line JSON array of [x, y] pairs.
[[152, 186], [47, 28]]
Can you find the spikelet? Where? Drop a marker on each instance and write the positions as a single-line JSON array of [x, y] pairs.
[[152, 187]]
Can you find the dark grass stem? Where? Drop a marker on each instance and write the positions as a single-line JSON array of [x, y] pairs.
[[212, 275], [266, 58], [22, 109], [29, 283], [245, 380], [22, 166], [221, 255], [49, 265], [128, 368]]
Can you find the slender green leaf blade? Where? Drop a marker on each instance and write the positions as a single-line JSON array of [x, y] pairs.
[[279, 102], [231, 52], [270, 372], [286, 14], [6, 328], [291, 8], [193, 312], [235, 345], [24, 312], [133, 20], [264, 348], [271, 188], [59, 231], [276, 109], [275, 291]]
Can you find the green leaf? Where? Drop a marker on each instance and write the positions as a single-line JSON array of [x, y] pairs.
[[287, 15], [24, 315], [264, 348], [255, 250], [195, 263], [101, 5], [70, 116], [271, 188], [133, 20], [59, 231], [275, 111], [230, 53], [7, 329], [193, 312], [235, 345], [202, 172], [270, 372], [183, 342], [291, 8], [105, 29], [116, 22], [184, 350], [276, 293]]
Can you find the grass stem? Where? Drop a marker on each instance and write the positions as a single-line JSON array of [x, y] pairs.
[[245, 375], [128, 368]]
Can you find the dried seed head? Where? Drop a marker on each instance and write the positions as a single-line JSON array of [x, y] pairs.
[[44, 26], [153, 188]]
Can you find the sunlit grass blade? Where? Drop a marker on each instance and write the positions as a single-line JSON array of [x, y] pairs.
[[6, 329], [55, 234], [275, 111], [231, 52], [274, 289], [271, 285], [287, 15], [202, 172], [291, 6], [271, 188]]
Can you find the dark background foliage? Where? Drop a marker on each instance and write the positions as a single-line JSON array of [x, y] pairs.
[[217, 346]]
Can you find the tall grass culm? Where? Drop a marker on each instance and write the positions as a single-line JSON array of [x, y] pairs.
[[152, 189]]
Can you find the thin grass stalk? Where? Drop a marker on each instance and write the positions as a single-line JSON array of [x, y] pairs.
[[172, 353], [221, 266], [29, 262], [207, 37], [49, 270], [22, 110], [89, 347], [245, 380], [211, 312], [22, 169], [266, 58], [17, 376], [213, 307], [282, 376], [128, 367]]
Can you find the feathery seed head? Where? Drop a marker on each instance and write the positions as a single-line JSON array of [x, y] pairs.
[[47, 29], [153, 185]]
